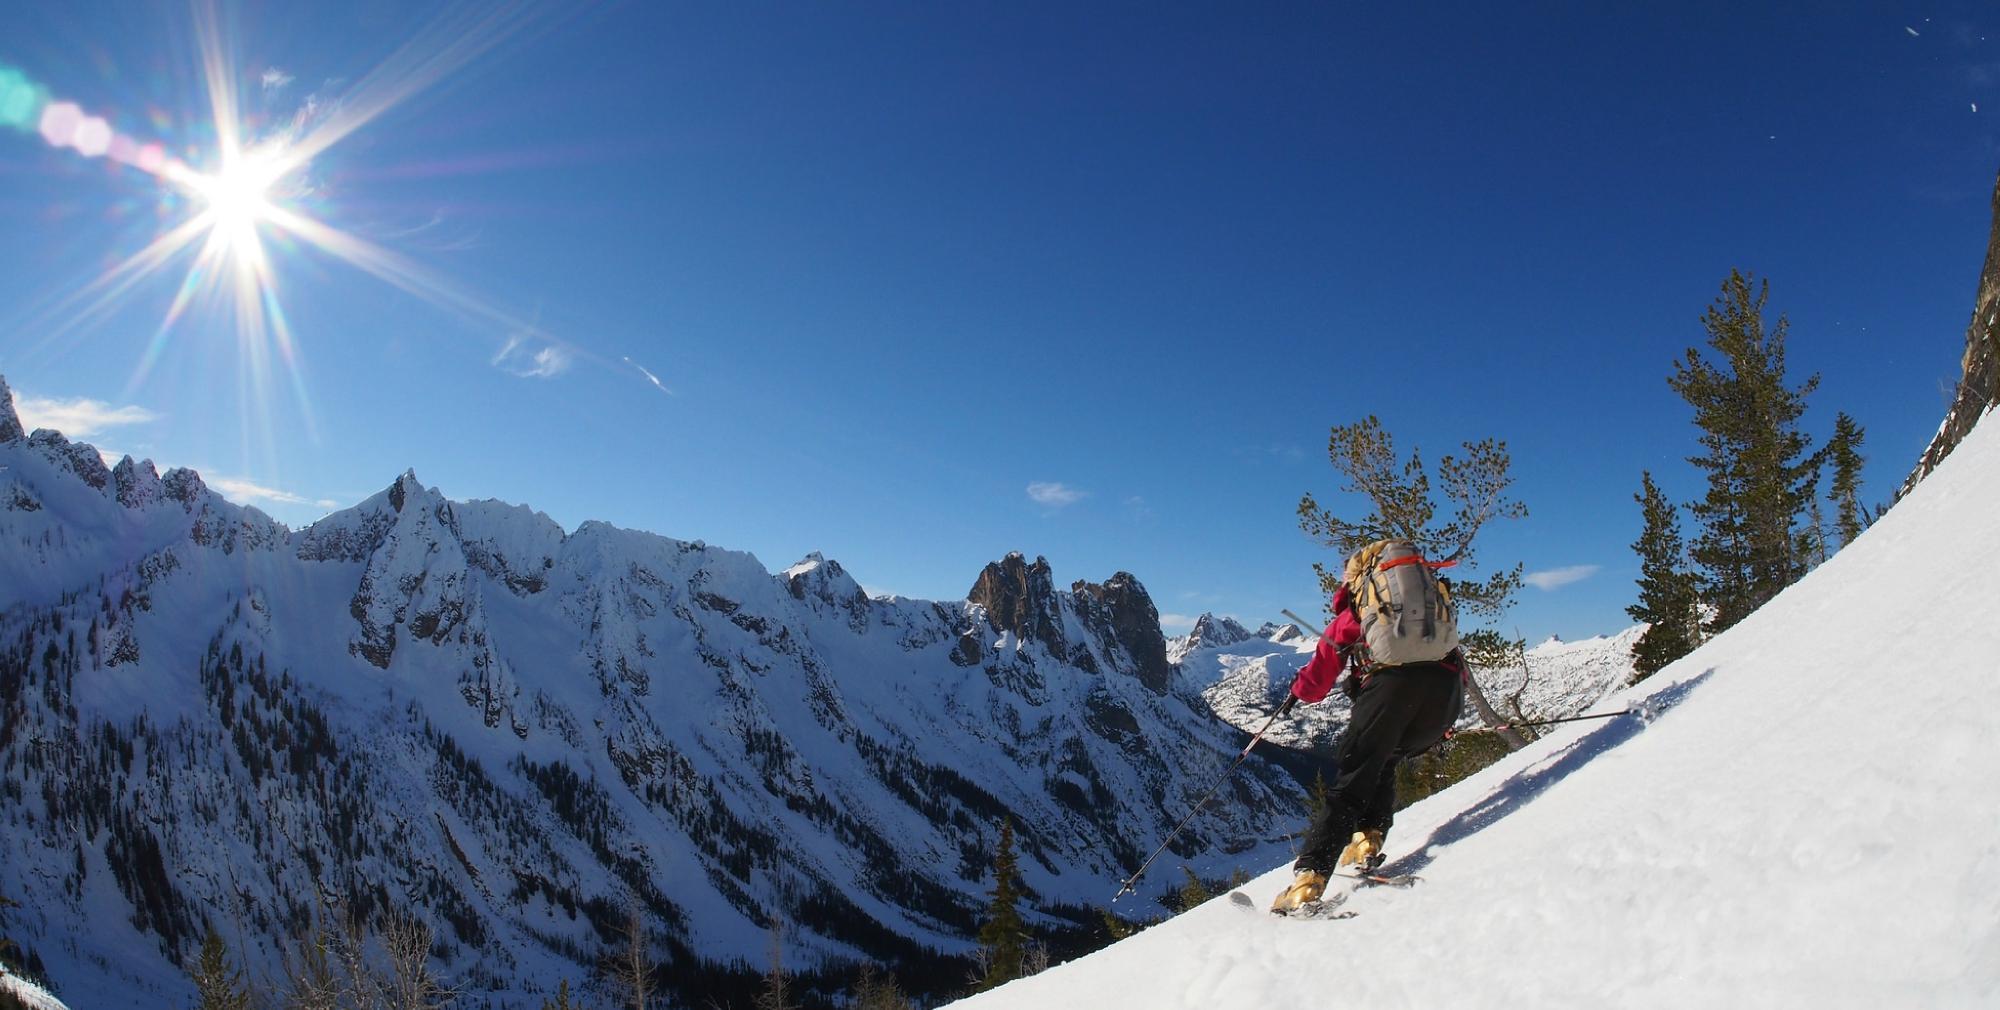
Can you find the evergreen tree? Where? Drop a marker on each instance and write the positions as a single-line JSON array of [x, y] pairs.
[[562, 999], [1003, 940], [1844, 452], [1760, 475], [1194, 891], [217, 985], [9, 950], [1667, 601], [1316, 796]]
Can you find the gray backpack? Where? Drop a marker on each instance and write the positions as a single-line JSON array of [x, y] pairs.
[[1406, 611]]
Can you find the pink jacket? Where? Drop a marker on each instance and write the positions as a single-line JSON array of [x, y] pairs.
[[1323, 670]]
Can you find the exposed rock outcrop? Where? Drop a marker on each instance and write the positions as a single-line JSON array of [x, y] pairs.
[[1122, 615], [10, 422], [1979, 384], [1021, 598]]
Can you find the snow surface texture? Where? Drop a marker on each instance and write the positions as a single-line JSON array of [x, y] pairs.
[[1808, 819], [511, 730]]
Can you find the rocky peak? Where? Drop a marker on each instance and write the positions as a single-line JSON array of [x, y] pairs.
[[1211, 631], [1021, 598], [817, 577], [406, 487], [1122, 614], [10, 422], [137, 482], [78, 458], [185, 486]]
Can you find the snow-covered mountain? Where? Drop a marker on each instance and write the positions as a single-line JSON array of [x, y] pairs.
[[1799, 813], [461, 709]]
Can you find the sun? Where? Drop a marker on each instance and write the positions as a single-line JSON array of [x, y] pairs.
[[238, 201]]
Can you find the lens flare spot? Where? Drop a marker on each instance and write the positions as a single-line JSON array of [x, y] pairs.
[[20, 101], [59, 123], [92, 138]]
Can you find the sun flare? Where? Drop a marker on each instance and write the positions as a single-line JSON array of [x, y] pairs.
[[239, 196]]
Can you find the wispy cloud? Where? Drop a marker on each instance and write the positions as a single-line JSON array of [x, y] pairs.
[[1177, 622], [1556, 578], [1274, 452], [275, 79], [530, 358], [650, 377], [248, 492], [1054, 495], [80, 417]]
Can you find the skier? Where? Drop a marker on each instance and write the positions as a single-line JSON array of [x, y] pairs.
[[1399, 711]]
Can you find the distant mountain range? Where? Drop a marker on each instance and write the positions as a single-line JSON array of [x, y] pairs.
[[462, 710]]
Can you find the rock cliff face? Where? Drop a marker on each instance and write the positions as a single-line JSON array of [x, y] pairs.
[[1095, 626], [1121, 615], [1979, 385], [458, 709], [1021, 598]]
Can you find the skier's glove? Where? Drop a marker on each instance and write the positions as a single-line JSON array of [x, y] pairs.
[[1285, 710], [1350, 686]]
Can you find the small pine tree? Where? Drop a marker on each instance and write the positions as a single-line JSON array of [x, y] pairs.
[[562, 999], [217, 985], [1316, 796], [9, 950], [1003, 940], [877, 990], [1667, 601], [1193, 892], [1844, 452]]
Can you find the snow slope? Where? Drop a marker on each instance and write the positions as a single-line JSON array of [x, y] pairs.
[[1809, 819]]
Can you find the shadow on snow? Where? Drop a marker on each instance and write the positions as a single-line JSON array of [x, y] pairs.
[[1528, 783]]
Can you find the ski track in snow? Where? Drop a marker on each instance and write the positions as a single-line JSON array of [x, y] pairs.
[[1808, 820]]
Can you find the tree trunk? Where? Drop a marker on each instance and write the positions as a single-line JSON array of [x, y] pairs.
[[1513, 739]]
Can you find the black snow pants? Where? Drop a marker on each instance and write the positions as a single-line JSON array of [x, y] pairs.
[[1403, 711]]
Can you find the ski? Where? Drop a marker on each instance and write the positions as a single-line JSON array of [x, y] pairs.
[[1328, 906]]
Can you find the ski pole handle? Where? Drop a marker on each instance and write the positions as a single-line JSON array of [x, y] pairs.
[[1286, 709]]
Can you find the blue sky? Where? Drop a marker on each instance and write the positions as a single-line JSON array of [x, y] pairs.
[[922, 284]]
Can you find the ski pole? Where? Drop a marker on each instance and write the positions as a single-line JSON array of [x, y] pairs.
[[1284, 709], [1551, 722], [1301, 622]]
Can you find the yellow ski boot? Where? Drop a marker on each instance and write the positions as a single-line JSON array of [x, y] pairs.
[[1307, 886], [1364, 853]]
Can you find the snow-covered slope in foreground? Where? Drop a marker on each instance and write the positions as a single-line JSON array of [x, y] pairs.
[[1810, 819]]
